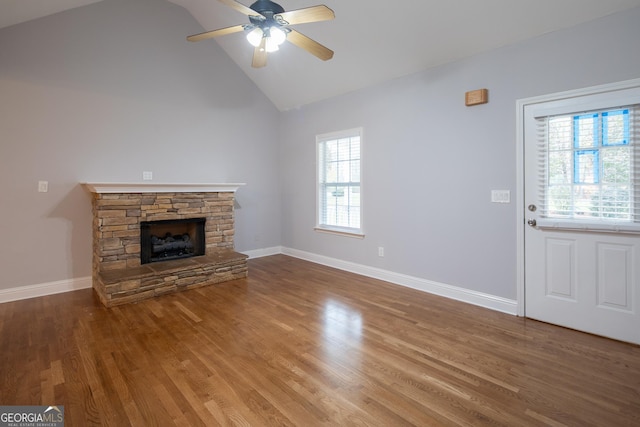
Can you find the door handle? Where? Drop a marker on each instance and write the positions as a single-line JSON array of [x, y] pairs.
[[531, 222]]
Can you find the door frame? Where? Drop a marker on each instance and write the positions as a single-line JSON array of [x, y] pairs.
[[520, 176]]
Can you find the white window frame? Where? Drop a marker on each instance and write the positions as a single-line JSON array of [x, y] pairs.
[[356, 232]]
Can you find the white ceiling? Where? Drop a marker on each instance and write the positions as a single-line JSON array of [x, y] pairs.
[[373, 40]]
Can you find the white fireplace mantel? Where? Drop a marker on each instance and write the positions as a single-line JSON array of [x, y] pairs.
[[153, 187]]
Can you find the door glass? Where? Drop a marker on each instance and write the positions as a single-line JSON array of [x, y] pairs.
[[589, 166]]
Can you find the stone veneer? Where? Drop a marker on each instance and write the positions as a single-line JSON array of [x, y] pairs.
[[118, 275]]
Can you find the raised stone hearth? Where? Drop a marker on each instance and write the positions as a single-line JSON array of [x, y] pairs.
[[118, 275]]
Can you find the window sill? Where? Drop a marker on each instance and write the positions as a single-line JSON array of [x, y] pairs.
[[353, 234], [594, 226]]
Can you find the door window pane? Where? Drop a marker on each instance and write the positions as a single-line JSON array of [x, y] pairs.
[[590, 166]]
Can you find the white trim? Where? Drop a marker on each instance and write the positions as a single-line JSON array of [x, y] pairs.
[[339, 134], [339, 232], [590, 226], [521, 210], [148, 187], [259, 253], [453, 292], [44, 289]]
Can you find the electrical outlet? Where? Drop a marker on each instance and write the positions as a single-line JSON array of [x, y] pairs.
[[501, 196], [380, 251], [43, 186], [147, 176]]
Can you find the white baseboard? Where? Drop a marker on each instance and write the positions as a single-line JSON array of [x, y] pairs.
[[51, 288], [258, 253], [44, 289], [460, 294], [465, 295]]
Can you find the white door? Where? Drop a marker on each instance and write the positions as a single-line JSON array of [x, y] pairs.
[[581, 204]]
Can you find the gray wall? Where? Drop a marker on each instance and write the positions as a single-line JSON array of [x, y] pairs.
[[430, 163], [102, 93]]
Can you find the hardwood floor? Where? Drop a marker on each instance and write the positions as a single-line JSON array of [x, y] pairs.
[[299, 344]]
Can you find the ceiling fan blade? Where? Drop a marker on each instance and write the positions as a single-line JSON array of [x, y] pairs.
[[310, 45], [245, 10], [260, 54], [308, 14], [216, 33]]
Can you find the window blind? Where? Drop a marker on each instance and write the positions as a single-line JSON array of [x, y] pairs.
[[588, 170]]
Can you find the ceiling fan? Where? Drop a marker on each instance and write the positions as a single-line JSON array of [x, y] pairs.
[[269, 27]]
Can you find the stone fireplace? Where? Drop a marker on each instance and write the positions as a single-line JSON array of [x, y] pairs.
[[122, 269]]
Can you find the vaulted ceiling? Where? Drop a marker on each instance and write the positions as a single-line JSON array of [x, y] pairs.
[[373, 40]]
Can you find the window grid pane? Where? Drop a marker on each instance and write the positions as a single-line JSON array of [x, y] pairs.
[[615, 127]]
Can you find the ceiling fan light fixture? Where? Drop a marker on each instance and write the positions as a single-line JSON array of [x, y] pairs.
[[255, 36], [274, 37], [277, 35], [271, 45]]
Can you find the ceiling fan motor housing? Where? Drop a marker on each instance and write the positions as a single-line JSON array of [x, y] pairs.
[[267, 9]]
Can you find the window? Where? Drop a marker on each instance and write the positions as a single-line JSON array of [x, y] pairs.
[[339, 185], [589, 166]]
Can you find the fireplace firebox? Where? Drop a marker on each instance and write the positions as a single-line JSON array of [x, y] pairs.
[[166, 240]]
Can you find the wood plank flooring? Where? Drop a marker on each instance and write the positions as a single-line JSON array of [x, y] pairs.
[[299, 344]]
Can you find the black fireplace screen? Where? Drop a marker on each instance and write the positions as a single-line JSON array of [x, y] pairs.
[[171, 239]]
